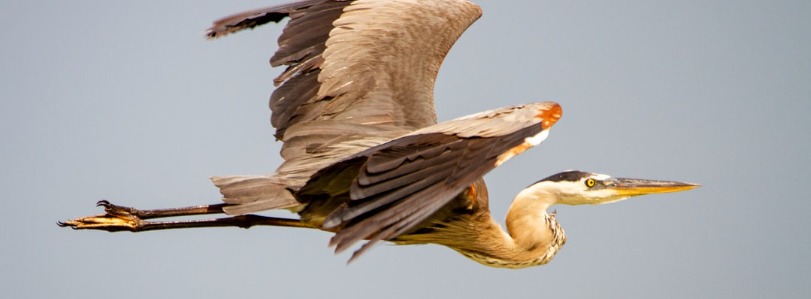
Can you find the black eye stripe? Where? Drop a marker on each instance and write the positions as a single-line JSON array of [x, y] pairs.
[[573, 176]]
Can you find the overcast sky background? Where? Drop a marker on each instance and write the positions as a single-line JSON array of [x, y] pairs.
[[127, 101]]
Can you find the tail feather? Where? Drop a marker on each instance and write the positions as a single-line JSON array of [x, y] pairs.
[[249, 194]]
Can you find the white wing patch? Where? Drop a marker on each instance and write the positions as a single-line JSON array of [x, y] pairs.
[[529, 142]]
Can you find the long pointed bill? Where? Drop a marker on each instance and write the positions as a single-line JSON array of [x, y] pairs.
[[634, 187]]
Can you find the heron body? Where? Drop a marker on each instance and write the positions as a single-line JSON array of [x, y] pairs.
[[364, 156]]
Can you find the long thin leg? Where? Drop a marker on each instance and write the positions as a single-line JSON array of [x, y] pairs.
[[118, 218], [161, 213]]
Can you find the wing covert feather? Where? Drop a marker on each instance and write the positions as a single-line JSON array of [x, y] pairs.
[[375, 79], [365, 67], [402, 182]]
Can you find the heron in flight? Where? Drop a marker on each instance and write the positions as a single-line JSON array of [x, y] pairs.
[[364, 156]]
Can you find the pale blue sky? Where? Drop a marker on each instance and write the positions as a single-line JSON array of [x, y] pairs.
[[127, 101]]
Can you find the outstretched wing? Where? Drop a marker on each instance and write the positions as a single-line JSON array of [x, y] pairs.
[[400, 183], [358, 73]]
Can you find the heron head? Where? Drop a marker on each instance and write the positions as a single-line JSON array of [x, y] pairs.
[[578, 187]]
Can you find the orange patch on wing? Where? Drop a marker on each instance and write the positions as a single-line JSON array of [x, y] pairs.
[[471, 195], [550, 115], [512, 152]]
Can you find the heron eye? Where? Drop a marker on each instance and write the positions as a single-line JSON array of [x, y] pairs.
[[590, 183]]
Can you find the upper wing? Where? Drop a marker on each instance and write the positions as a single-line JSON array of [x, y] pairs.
[[398, 184], [358, 73]]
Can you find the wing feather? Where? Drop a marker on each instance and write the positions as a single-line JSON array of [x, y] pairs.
[[252, 18], [366, 66], [402, 182], [435, 155], [434, 172]]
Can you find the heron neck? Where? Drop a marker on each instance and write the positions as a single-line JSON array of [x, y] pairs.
[[533, 237], [527, 225], [536, 235]]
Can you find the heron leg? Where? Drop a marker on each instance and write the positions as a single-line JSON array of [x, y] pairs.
[[119, 218]]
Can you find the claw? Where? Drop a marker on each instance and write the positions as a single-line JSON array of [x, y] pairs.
[[112, 209], [115, 219], [110, 223]]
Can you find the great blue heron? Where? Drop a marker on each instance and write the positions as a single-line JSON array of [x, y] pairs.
[[364, 155]]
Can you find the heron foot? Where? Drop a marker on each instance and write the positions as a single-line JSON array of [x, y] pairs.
[[116, 218]]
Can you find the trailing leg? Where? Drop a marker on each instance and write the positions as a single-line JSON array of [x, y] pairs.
[[118, 218]]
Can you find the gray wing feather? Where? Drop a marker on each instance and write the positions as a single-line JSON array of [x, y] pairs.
[[252, 18], [402, 182], [363, 68], [375, 80]]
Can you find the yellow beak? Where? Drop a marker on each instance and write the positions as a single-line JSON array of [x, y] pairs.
[[635, 187]]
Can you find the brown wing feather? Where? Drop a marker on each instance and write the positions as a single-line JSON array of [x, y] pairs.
[[300, 47], [399, 184], [252, 18], [382, 211], [375, 79], [358, 73]]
